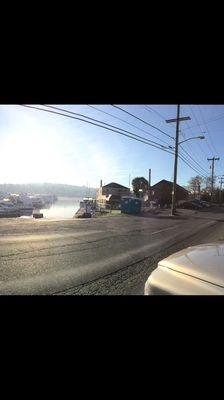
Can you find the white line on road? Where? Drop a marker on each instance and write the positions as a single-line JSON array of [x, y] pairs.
[[163, 230]]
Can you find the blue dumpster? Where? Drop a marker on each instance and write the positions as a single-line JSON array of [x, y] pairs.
[[130, 205]]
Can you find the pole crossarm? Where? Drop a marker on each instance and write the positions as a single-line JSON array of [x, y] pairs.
[[168, 121]]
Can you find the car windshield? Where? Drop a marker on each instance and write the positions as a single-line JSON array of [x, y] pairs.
[[92, 196]]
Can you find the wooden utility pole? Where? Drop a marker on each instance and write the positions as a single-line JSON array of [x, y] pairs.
[[220, 192], [150, 177], [213, 159], [149, 186], [177, 120]]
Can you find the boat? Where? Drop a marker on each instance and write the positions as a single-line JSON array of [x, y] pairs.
[[86, 208], [23, 203], [8, 209], [37, 202], [88, 202]]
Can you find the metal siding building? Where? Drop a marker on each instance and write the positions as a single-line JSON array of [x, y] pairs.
[[162, 192]]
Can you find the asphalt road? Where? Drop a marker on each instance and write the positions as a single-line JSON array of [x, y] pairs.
[[108, 255]]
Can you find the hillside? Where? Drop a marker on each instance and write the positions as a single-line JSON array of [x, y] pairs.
[[57, 189]]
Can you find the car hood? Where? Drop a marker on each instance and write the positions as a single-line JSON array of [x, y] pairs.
[[204, 262]]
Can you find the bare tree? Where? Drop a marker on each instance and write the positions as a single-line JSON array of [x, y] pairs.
[[208, 183], [194, 184]]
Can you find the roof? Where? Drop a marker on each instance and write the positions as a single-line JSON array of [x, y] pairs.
[[169, 183], [115, 185]]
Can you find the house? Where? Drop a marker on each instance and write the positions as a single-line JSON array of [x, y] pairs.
[[109, 196], [161, 192]]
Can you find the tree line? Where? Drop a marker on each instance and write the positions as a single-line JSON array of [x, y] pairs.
[[202, 187], [48, 188]]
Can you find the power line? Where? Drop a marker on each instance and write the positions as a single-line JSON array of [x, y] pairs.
[[207, 122], [146, 141], [200, 147], [202, 117], [209, 133], [183, 159], [221, 116], [152, 109], [212, 150], [185, 151], [134, 116], [101, 122], [57, 108], [138, 138], [207, 142], [163, 118], [190, 166], [120, 119], [149, 109], [199, 156]]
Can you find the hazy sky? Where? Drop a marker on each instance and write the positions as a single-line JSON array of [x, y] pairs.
[[36, 146]]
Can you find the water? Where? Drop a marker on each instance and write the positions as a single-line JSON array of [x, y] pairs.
[[65, 207]]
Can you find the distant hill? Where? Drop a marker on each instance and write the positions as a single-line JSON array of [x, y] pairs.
[[57, 189]]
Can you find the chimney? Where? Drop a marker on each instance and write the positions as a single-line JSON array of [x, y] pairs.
[[101, 183]]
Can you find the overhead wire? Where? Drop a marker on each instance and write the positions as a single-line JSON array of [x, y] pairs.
[[199, 125], [145, 122], [199, 146], [149, 109], [210, 136], [199, 166], [138, 138], [207, 122], [120, 119], [202, 117], [221, 116], [183, 158], [57, 108], [185, 151], [207, 142], [93, 119], [135, 136]]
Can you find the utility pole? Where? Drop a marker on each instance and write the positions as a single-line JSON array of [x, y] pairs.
[[150, 177], [220, 192], [149, 187], [213, 159], [177, 120]]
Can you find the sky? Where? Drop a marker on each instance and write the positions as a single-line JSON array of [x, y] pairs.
[[38, 146]]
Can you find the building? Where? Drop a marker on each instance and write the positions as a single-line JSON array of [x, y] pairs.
[[161, 192], [109, 196]]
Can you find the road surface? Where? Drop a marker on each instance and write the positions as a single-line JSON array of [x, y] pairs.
[[108, 255]]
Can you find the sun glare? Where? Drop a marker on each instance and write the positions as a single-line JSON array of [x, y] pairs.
[[38, 148]]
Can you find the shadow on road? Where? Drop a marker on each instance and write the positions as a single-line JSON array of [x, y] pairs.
[[208, 213], [162, 216]]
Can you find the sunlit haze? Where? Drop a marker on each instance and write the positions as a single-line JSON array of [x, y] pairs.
[[37, 146]]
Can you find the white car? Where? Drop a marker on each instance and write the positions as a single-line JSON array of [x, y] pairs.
[[197, 270]]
